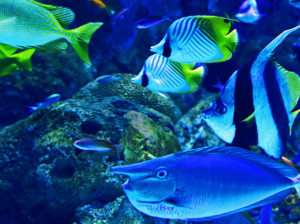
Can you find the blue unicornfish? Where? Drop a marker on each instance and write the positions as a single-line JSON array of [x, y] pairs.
[[193, 39], [108, 79], [160, 74], [99, 145], [186, 185], [151, 21], [256, 106], [29, 24], [47, 101]]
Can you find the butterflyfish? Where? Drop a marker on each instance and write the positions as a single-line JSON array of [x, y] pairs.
[[160, 74], [192, 39]]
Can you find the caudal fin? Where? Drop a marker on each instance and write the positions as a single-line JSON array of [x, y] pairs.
[[23, 59], [31, 109], [83, 36], [232, 40]]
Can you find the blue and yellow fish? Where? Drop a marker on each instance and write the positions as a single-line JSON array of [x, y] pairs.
[[193, 39], [29, 24]]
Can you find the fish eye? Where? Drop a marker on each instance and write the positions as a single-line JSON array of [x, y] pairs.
[[222, 109], [161, 173]]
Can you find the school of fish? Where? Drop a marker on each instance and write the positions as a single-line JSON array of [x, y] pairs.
[[256, 107]]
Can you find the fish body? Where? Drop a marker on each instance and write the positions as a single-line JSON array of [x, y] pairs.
[[47, 101], [249, 12], [151, 21], [256, 106], [295, 3], [108, 79], [186, 185], [29, 24], [239, 218], [100, 145], [266, 215], [160, 74], [193, 39], [10, 62]]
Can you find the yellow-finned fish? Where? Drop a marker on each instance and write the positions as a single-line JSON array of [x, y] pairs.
[[29, 24], [10, 62], [193, 39], [160, 74]]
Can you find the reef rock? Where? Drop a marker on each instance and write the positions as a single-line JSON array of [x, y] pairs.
[[44, 179], [192, 131], [133, 92]]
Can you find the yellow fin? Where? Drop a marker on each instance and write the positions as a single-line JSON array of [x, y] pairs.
[[6, 51], [232, 40], [250, 121], [193, 77], [294, 115], [23, 59], [8, 70], [63, 15]]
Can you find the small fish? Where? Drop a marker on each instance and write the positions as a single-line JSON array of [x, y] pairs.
[[10, 62], [108, 79], [253, 10], [47, 101], [160, 74], [286, 161], [266, 215], [249, 13], [151, 21], [295, 3], [112, 7], [29, 24], [186, 185], [256, 106], [100, 145], [120, 15], [193, 39], [239, 218], [296, 51]]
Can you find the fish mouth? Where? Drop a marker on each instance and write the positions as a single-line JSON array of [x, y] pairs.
[[126, 186]]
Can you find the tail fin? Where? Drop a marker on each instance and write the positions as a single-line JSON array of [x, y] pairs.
[[294, 115], [196, 74], [32, 109], [232, 40], [271, 46], [83, 37], [23, 59]]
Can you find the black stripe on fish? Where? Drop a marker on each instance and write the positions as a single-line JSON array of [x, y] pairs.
[[276, 102], [167, 48], [201, 42], [244, 135], [243, 104], [183, 29], [188, 33], [145, 80]]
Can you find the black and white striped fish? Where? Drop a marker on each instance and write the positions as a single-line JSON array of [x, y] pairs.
[[193, 39], [159, 74], [257, 104]]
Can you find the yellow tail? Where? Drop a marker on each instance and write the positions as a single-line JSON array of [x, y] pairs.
[[232, 40], [83, 36], [193, 77], [22, 59]]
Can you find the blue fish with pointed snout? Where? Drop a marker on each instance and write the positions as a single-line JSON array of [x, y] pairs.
[[206, 183]]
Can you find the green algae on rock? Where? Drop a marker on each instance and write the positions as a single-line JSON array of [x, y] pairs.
[[145, 140], [133, 92]]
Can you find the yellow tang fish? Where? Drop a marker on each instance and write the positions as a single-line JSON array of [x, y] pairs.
[[28, 24], [10, 62]]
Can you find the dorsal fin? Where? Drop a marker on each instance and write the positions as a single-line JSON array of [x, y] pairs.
[[64, 16], [285, 170]]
